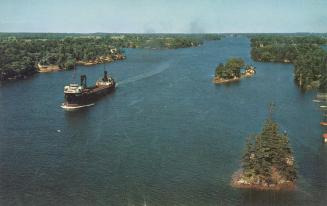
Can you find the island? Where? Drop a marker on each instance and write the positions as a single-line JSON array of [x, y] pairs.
[[24, 54], [268, 162], [305, 52], [232, 71]]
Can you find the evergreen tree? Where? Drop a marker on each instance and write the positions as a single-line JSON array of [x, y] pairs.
[[248, 163], [267, 151]]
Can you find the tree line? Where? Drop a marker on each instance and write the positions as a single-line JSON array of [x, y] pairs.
[[19, 57], [21, 52]]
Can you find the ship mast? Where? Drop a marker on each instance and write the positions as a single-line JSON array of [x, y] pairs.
[[74, 74]]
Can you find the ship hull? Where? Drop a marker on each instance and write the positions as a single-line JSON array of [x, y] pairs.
[[86, 98]]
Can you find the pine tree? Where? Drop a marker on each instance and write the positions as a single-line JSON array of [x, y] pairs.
[[267, 151], [248, 158]]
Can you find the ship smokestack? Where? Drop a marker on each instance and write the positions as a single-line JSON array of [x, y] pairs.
[[83, 80], [105, 76]]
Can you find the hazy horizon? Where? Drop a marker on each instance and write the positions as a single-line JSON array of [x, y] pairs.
[[23, 32], [145, 16]]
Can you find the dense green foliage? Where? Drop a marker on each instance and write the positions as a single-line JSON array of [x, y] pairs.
[[267, 155], [159, 41], [231, 69], [309, 59], [19, 57], [20, 53]]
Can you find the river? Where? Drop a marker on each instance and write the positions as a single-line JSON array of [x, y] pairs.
[[166, 136]]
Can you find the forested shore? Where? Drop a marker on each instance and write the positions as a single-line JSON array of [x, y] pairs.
[[24, 54], [305, 52]]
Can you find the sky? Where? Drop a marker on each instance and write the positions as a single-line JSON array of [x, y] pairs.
[[163, 16]]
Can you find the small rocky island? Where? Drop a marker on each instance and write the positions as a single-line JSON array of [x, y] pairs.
[[268, 161], [231, 71]]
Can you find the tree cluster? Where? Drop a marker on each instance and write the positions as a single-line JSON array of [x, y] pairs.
[[268, 154], [19, 57], [231, 69]]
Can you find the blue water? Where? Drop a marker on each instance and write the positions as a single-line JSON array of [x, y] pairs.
[[166, 136]]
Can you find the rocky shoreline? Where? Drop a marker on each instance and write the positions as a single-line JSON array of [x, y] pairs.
[[102, 60], [241, 182], [248, 73], [218, 80], [97, 60], [48, 68], [39, 68]]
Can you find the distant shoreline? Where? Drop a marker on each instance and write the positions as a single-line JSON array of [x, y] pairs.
[[98, 60], [102, 60]]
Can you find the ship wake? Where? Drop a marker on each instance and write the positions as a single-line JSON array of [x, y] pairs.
[[71, 108], [162, 67]]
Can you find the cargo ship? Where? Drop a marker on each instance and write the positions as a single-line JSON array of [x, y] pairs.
[[79, 96]]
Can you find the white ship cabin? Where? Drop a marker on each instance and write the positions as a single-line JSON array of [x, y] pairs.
[[102, 82], [73, 89], [105, 81]]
